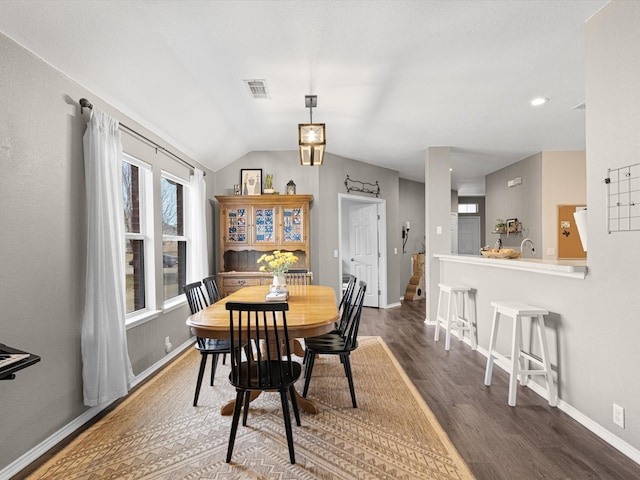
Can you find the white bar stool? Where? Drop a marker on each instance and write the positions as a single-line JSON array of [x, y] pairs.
[[456, 295], [516, 311]]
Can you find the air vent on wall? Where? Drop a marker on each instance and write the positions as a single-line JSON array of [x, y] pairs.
[[580, 106], [257, 88]]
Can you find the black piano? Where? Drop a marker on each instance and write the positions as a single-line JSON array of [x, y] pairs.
[[12, 360]]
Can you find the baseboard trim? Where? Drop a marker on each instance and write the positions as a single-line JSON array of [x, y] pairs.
[[36, 452], [606, 435]]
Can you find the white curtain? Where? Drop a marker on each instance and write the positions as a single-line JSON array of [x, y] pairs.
[[197, 256], [106, 368]]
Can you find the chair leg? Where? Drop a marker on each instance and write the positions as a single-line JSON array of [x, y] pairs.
[[203, 364], [234, 423], [214, 365], [294, 402], [287, 424], [347, 369], [245, 413], [307, 372]]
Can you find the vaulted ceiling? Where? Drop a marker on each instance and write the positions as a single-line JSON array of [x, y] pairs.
[[392, 77]]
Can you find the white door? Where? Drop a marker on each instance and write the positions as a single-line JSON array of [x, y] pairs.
[[363, 248], [469, 235]]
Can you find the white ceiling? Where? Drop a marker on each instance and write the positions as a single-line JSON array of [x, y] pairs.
[[392, 77]]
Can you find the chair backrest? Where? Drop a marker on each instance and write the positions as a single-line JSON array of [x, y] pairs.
[[348, 292], [212, 288], [195, 296], [298, 277], [351, 330], [266, 325]]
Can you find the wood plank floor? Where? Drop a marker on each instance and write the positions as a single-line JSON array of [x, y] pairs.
[[498, 442]]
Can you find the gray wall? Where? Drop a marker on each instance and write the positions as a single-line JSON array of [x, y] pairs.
[[609, 371], [43, 244], [523, 202]]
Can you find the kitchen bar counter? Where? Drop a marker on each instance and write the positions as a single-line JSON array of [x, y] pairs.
[[563, 268]]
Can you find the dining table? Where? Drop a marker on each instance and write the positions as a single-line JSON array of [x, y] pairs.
[[312, 311]]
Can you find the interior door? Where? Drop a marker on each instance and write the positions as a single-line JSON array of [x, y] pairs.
[[469, 235], [363, 247]]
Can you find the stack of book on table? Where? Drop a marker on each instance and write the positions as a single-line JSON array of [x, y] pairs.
[[277, 296]]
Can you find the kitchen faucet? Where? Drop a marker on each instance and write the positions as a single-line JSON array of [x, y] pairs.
[[527, 240]]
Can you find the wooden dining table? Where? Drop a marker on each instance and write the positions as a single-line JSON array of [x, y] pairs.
[[312, 311]]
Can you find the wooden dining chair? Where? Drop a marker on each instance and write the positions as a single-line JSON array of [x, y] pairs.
[[268, 368], [337, 343], [298, 277], [207, 346]]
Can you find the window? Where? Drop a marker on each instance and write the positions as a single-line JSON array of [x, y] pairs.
[[467, 208], [138, 221], [174, 240]]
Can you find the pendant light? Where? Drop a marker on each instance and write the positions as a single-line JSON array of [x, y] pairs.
[[311, 136]]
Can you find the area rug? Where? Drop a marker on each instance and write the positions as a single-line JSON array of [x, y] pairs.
[[156, 433]]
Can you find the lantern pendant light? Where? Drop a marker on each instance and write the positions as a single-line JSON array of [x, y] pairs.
[[311, 136]]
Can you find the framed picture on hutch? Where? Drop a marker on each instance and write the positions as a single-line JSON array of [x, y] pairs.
[[251, 181]]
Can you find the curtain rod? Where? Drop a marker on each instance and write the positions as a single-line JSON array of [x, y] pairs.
[[84, 103]]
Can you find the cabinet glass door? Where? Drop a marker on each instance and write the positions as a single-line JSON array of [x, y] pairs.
[[264, 219], [236, 229], [293, 225]]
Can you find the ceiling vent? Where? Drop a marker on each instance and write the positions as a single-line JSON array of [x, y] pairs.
[[580, 106], [257, 88]]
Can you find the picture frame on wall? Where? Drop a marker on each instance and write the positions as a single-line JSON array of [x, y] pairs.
[[251, 181]]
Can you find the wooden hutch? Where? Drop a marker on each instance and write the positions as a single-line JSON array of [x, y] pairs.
[[251, 225]]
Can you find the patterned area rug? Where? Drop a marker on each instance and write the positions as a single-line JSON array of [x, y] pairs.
[[156, 434]]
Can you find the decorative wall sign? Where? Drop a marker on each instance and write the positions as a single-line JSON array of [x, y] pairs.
[[363, 187]]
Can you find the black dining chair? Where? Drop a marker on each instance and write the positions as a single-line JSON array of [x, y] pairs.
[[340, 343], [207, 346], [268, 368], [344, 309], [212, 288], [214, 294]]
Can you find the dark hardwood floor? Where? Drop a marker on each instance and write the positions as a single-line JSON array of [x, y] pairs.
[[498, 442]]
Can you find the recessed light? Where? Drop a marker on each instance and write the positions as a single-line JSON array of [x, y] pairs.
[[536, 102]]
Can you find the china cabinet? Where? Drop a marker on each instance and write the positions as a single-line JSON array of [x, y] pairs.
[[251, 225]]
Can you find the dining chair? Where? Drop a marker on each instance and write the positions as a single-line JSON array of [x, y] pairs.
[[206, 346], [298, 277], [337, 343], [344, 309], [214, 294], [212, 288], [268, 368]]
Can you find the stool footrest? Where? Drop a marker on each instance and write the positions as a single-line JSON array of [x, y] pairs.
[[532, 358]]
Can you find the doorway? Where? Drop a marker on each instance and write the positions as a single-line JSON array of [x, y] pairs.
[[468, 235], [362, 231]]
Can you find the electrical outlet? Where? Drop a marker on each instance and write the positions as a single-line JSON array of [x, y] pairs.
[[618, 415]]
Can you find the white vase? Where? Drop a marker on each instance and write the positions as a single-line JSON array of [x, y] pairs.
[[279, 284]]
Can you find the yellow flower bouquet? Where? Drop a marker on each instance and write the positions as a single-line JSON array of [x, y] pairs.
[[277, 263]]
